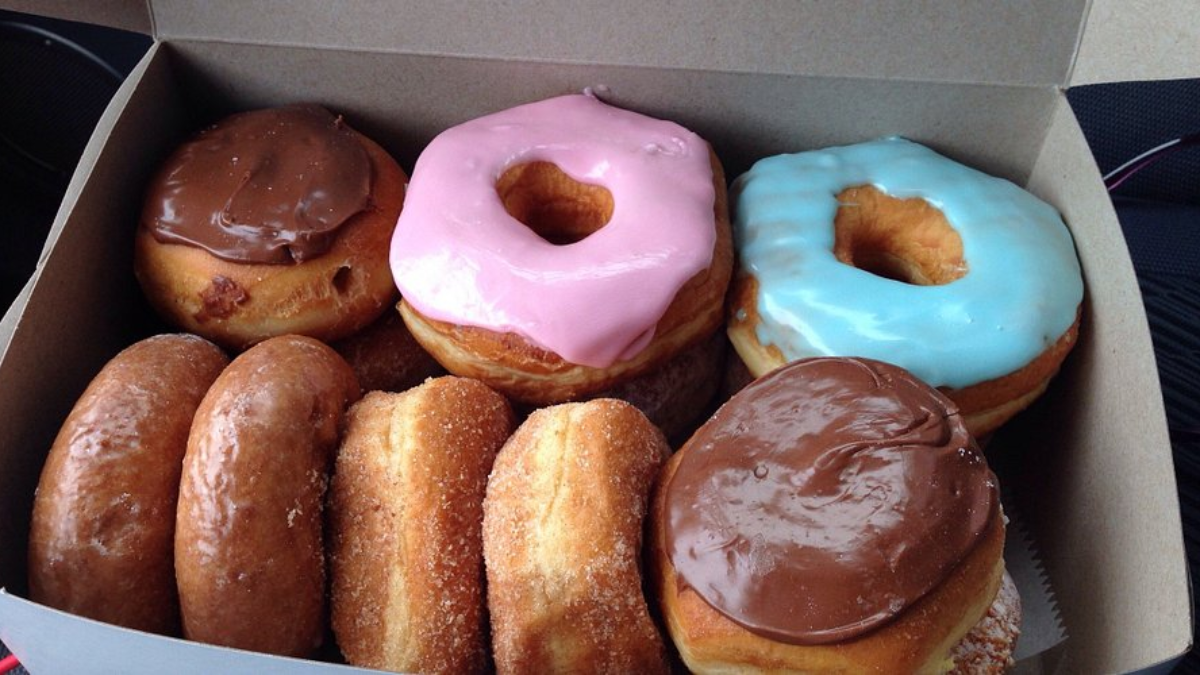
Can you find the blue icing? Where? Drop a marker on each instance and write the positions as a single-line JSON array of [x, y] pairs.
[[1019, 295]]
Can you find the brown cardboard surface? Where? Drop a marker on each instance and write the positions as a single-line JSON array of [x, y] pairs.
[[1090, 464], [1139, 40], [1012, 42], [1102, 480], [83, 306], [404, 100]]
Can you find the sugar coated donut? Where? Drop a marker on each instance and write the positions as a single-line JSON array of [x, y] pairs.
[[559, 248], [834, 516], [406, 521], [988, 648], [887, 250], [562, 541], [271, 222]]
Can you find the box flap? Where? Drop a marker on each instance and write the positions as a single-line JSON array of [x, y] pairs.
[[131, 15], [1128, 40], [1105, 484], [1028, 42], [8, 323], [81, 645]]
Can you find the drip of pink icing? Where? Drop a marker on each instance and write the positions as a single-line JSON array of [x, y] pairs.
[[459, 257]]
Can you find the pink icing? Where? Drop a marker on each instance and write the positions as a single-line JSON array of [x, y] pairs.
[[457, 256]]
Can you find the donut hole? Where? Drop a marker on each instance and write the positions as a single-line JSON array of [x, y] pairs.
[[555, 206], [907, 240]]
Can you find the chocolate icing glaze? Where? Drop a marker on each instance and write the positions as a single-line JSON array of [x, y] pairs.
[[824, 498], [267, 186]]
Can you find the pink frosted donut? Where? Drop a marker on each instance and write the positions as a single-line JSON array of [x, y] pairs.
[[564, 242]]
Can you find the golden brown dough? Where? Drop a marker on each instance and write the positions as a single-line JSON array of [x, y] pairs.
[[101, 543], [329, 297], [385, 357], [406, 521], [529, 374], [562, 538], [249, 551]]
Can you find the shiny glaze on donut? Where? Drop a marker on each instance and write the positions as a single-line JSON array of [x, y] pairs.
[[1020, 294], [459, 257], [825, 498], [266, 186]]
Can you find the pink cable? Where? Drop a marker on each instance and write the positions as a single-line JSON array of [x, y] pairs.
[[8, 663], [1117, 176]]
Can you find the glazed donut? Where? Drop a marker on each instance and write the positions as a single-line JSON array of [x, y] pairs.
[[563, 247], [562, 542], [385, 357], [887, 250], [833, 516], [406, 510], [249, 548], [271, 222], [101, 542]]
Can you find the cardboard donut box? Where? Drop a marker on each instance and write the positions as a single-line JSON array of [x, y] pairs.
[[1088, 468]]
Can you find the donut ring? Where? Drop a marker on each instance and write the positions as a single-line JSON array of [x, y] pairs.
[[102, 532], [966, 280], [249, 528], [237, 304], [497, 283]]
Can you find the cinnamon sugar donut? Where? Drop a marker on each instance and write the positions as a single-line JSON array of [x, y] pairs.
[[271, 222], [562, 539], [887, 250], [406, 521], [563, 247]]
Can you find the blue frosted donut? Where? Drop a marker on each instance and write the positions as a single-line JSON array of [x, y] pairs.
[[989, 320]]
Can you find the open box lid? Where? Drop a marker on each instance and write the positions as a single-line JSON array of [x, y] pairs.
[[1026, 42]]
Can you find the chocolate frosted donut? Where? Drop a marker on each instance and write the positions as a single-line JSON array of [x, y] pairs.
[[270, 186], [271, 222], [832, 502]]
